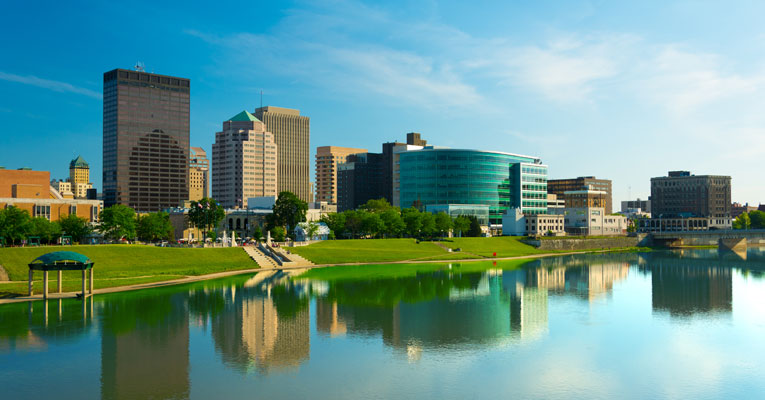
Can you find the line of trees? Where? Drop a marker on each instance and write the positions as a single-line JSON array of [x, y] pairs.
[[751, 220], [378, 219]]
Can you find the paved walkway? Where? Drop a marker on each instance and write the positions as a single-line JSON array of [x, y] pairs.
[[190, 279]]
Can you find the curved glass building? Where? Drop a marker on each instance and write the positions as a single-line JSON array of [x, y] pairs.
[[454, 176]]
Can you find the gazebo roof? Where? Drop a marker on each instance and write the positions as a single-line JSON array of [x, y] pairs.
[[63, 257]]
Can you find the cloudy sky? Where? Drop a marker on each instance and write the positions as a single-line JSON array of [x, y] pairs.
[[618, 90]]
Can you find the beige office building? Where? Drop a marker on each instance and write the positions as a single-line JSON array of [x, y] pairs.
[[244, 161], [292, 133], [327, 159], [199, 173]]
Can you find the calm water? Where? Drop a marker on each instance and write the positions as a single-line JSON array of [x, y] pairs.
[[653, 325]]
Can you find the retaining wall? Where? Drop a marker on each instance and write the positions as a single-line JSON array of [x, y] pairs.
[[586, 244]]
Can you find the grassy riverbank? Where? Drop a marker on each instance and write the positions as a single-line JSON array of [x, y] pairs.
[[122, 265], [389, 250]]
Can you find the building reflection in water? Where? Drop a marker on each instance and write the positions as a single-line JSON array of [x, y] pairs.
[[683, 288], [33, 326], [265, 325]]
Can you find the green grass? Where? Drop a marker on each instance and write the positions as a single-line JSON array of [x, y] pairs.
[[121, 265], [504, 246], [368, 250]]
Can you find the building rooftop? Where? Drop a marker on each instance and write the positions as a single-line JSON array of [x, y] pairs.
[[79, 162], [243, 116]]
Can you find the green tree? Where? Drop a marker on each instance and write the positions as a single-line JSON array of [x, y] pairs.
[[413, 221], [15, 224], [336, 223], [394, 225], [475, 227], [117, 222], [45, 229], [743, 221], [376, 205], [353, 221], [206, 214], [461, 225], [443, 223], [758, 219], [278, 233], [312, 229], [74, 226], [289, 210], [155, 226], [257, 233], [372, 224], [428, 221]]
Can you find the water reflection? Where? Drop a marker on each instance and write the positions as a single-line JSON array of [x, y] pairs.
[[260, 325]]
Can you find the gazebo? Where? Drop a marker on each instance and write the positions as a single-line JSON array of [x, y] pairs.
[[61, 261]]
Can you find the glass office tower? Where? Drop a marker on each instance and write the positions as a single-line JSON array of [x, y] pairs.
[[453, 176], [146, 140]]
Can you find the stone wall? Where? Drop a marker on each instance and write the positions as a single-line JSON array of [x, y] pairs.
[[585, 244]]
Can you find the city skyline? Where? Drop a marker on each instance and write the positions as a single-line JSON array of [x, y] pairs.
[[522, 79]]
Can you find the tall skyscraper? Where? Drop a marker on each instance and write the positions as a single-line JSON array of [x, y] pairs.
[[292, 133], [199, 174], [146, 140], [244, 161], [327, 160]]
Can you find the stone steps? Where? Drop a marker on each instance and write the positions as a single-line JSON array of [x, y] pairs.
[[256, 255]]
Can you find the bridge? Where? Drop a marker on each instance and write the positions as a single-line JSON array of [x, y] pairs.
[[728, 238]]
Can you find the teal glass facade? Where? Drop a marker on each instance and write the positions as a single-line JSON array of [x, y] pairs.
[[451, 176]]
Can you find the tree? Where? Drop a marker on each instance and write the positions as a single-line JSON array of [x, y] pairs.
[[289, 210], [74, 226], [394, 225], [413, 221], [312, 230], [376, 205], [117, 222], [278, 233], [336, 223], [353, 221], [428, 221], [155, 226], [461, 225], [758, 219], [257, 233], [206, 214], [372, 224], [475, 227], [15, 224], [45, 229], [443, 223]]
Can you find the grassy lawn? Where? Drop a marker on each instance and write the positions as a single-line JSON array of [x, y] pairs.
[[504, 246], [120, 265], [368, 250]]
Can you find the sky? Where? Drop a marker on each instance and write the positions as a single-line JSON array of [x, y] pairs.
[[618, 90]]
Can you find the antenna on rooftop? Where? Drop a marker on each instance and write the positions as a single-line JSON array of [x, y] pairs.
[[139, 67], [261, 98]]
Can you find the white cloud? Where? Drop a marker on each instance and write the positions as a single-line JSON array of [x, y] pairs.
[[49, 84]]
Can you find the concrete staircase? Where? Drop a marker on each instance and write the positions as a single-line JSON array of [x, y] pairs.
[[296, 260], [263, 260]]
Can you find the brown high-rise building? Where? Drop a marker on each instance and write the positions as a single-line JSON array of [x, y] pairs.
[[559, 187], [145, 140], [292, 133], [199, 174], [244, 161], [681, 194], [327, 160]]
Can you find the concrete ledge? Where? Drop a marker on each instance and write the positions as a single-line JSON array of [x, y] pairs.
[[584, 244], [3, 275]]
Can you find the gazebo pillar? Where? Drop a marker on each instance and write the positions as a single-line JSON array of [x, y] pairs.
[[45, 284], [91, 280], [60, 284], [31, 279], [84, 278]]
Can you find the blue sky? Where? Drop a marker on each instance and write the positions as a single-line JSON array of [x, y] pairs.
[[619, 90]]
